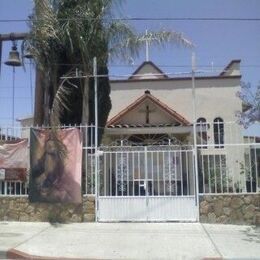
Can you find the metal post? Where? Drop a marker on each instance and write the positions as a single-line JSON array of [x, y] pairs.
[[31, 87], [13, 36], [13, 95], [194, 131], [96, 136], [85, 129], [146, 183]]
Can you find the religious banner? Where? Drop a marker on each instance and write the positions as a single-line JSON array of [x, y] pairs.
[[55, 158], [14, 160]]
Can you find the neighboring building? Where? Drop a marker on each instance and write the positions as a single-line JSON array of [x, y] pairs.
[[26, 123]]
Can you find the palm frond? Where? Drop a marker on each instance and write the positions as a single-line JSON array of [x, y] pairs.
[[75, 31], [62, 100], [125, 44], [122, 41], [162, 37]]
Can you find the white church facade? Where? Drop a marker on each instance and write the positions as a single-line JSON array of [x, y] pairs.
[[150, 108]]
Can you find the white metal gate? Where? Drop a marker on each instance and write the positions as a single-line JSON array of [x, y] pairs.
[[148, 183]]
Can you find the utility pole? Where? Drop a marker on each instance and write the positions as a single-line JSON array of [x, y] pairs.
[[96, 134], [195, 131]]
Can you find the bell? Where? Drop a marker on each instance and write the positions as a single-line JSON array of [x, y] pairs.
[[14, 59]]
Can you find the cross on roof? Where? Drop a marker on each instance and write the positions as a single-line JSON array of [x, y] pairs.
[[147, 42]]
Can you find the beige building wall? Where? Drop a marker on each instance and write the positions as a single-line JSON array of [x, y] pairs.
[[215, 97]]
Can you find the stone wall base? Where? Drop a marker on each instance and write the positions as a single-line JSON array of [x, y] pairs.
[[20, 209], [224, 209], [230, 209]]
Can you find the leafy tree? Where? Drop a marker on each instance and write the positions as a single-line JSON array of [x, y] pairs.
[[251, 104], [65, 37]]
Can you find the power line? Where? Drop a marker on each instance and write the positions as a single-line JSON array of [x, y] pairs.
[[187, 66], [238, 19], [15, 97], [177, 74], [159, 65], [144, 76], [137, 76]]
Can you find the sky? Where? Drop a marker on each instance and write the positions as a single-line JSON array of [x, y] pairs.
[[217, 43]]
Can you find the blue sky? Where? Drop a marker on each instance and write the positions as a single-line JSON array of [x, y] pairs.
[[217, 42]]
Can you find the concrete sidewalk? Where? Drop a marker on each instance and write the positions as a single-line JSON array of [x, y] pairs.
[[129, 241]]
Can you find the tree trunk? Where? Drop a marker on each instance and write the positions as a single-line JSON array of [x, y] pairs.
[[84, 122], [39, 98], [46, 119], [85, 102]]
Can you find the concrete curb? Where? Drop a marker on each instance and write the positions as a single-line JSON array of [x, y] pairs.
[[16, 254]]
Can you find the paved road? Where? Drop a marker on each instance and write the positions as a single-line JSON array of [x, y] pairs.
[[130, 240]]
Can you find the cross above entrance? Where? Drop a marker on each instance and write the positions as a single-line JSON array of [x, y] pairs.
[[147, 112]]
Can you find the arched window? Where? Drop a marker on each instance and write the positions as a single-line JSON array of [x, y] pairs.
[[202, 128], [219, 132]]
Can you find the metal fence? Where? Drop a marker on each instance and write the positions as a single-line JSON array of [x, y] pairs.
[[228, 162], [233, 170], [146, 170], [17, 188], [13, 188]]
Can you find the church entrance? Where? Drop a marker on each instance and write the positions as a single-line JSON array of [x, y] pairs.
[[151, 176], [147, 183]]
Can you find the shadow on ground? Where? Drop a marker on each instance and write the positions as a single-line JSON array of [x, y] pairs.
[[3, 255], [252, 234]]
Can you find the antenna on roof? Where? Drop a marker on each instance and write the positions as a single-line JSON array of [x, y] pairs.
[[212, 66]]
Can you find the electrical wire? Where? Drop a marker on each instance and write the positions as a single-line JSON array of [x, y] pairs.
[[158, 65], [137, 75], [7, 97], [142, 76], [238, 19]]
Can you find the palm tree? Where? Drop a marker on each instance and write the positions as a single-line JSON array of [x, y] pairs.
[[65, 37]]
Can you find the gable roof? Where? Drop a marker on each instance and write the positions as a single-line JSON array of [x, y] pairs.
[[145, 63], [148, 96], [229, 67]]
